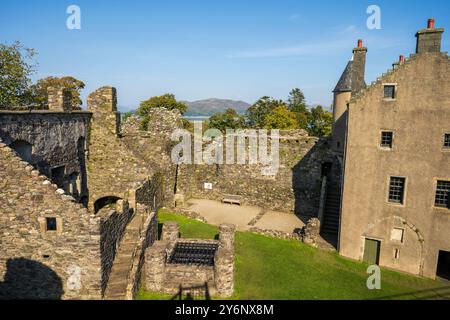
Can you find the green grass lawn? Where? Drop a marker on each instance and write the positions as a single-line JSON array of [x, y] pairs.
[[268, 268]]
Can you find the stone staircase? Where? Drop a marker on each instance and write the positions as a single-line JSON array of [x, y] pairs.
[[118, 278], [332, 210]]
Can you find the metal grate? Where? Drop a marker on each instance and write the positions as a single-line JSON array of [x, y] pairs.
[[443, 194], [396, 190], [194, 253], [386, 139], [447, 140]]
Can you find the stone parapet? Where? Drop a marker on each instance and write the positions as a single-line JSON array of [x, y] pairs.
[[155, 266]]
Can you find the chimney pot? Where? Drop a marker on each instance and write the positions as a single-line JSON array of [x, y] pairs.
[[431, 23], [360, 43], [402, 58]]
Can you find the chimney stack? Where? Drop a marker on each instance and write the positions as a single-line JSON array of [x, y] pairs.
[[430, 39], [59, 99], [359, 67]]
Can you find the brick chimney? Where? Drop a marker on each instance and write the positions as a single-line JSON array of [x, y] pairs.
[[59, 99], [359, 67], [429, 39]]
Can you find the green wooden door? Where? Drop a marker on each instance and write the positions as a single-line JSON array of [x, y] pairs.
[[372, 251]]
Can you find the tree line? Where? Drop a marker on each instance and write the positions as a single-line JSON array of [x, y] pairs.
[[18, 63]]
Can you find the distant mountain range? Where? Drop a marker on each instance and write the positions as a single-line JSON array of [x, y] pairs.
[[208, 107]]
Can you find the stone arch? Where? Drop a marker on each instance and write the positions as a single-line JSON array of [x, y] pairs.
[[24, 149], [105, 201], [411, 248]]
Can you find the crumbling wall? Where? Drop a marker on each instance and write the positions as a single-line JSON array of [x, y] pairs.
[[154, 146], [294, 188], [114, 220], [113, 169], [57, 139], [35, 262], [172, 278]]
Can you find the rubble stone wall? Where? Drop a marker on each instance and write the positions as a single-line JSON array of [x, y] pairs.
[[35, 262]]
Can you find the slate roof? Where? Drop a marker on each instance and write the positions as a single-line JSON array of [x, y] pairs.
[[345, 82]]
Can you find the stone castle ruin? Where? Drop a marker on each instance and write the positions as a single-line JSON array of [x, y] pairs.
[[79, 195], [80, 191]]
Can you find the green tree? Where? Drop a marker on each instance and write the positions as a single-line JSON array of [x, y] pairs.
[[296, 103], [126, 115], [229, 119], [280, 118], [320, 123], [16, 67], [258, 112], [40, 95], [167, 101]]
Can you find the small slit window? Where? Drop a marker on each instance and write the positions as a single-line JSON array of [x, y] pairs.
[[396, 253], [442, 194], [447, 140], [386, 139], [397, 190], [50, 224], [389, 92]]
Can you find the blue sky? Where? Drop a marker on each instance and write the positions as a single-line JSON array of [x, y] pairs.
[[224, 49]]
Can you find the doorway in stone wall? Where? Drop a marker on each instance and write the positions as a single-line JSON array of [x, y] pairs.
[[58, 176], [372, 251], [443, 268]]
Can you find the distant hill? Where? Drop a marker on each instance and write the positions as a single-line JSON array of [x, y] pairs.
[[208, 107]]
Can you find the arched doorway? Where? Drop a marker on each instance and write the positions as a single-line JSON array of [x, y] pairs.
[[105, 201]]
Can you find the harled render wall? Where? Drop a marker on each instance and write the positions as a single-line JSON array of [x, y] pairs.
[[419, 118]]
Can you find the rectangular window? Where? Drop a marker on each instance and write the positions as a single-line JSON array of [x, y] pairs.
[[447, 140], [389, 92], [397, 190], [443, 194], [50, 224], [386, 139]]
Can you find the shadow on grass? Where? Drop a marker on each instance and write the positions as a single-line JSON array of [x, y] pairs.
[[185, 293], [442, 293]]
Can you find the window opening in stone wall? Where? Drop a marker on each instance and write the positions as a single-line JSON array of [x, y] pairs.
[[389, 92], [51, 224], [397, 190], [442, 199], [386, 139]]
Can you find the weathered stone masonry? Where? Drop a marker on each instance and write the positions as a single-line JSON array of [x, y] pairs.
[[195, 279]]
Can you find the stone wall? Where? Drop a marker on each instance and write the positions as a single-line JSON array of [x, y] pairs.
[[295, 187], [36, 262], [114, 220], [148, 237], [170, 278], [154, 146], [48, 141], [113, 169]]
